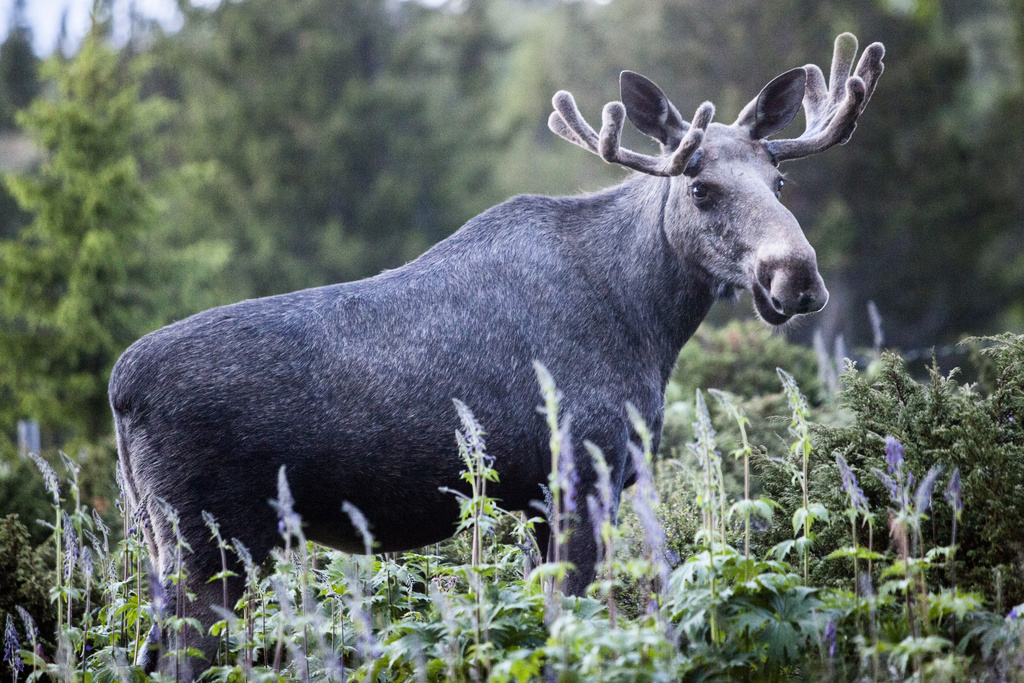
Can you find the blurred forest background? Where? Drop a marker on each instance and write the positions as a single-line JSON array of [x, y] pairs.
[[270, 145]]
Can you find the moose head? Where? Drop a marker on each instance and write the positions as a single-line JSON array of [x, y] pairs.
[[723, 212]]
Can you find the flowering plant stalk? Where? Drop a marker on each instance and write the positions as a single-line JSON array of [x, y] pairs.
[[704, 447], [858, 508], [11, 647], [601, 510], [561, 479], [799, 428], [747, 508], [52, 485], [954, 496]]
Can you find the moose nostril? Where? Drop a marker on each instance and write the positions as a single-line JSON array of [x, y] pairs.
[[804, 302], [777, 305]]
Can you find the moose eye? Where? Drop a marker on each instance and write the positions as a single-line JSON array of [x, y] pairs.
[[699, 192], [778, 187]]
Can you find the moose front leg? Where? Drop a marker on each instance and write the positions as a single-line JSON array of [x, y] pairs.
[[578, 546], [582, 552]]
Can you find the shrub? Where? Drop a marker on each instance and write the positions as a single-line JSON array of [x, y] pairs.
[[24, 576], [939, 423], [22, 494], [741, 358]]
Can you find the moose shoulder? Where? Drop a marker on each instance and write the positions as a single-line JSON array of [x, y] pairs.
[[350, 387]]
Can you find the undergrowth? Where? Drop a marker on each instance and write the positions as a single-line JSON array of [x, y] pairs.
[[880, 545]]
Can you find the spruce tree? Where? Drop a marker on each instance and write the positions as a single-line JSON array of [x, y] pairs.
[[19, 66], [19, 84], [72, 290]]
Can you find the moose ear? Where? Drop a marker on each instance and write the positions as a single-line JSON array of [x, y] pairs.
[[776, 106], [650, 111]]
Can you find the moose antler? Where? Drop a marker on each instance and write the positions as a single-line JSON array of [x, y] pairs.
[[567, 122], [832, 111]]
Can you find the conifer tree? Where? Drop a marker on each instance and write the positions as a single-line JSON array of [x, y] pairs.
[[72, 290], [19, 84], [336, 136], [19, 80]]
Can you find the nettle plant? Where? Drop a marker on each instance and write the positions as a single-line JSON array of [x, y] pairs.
[[733, 609]]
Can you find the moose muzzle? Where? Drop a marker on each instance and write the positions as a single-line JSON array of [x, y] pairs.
[[787, 285]]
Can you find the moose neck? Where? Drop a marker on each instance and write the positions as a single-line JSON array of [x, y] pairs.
[[659, 295]]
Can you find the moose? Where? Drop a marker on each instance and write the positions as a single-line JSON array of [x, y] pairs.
[[350, 387]]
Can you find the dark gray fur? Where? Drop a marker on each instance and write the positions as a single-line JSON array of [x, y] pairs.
[[350, 386]]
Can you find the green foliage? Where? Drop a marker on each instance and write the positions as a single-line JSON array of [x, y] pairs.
[[741, 358], [87, 274], [973, 428], [24, 575], [22, 494], [330, 140], [74, 291], [323, 140], [720, 614], [19, 66]]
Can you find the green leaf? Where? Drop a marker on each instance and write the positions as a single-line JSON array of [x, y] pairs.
[[860, 552], [819, 511], [227, 573], [781, 550]]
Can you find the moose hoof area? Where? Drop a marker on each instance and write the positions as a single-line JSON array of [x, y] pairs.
[[149, 654], [764, 308]]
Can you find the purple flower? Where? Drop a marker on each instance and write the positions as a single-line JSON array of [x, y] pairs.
[[243, 554], [596, 519], [31, 632], [360, 524], [954, 496], [95, 543], [830, 637], [645, 502], [289, 521], [857, 499], [888, 483], [49, 477], [568, 478], [70, 547], [211, 523], [472, 432], [604, 481], [11, 646], [923, 498], [139, 518], [87, 565], [893, 454]]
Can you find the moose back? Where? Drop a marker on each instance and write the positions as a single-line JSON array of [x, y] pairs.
[[349, 387]]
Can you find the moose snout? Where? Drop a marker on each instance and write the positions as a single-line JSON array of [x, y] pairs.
[[792, 284]]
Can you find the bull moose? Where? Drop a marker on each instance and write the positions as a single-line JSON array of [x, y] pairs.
[[349, 387]]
